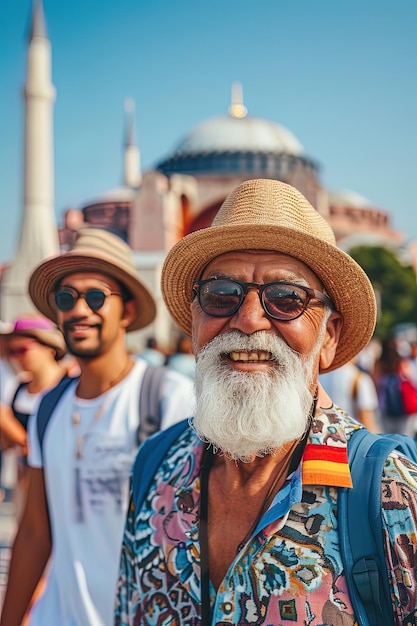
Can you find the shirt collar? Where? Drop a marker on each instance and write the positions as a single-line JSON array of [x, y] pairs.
[[325, 458]]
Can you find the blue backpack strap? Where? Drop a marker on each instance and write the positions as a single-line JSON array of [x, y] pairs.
[[150, 413], [149, 458], [47, 406], [360, 525]]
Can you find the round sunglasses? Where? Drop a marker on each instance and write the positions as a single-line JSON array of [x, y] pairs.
[[281, 300], [67, 297]]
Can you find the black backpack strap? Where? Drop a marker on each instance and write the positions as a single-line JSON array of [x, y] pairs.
[[150, 413], [360, 526], [22, 418], [47, 406], [18, 388]]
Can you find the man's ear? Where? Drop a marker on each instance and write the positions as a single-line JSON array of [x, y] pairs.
[[129, 313], [331, 340]]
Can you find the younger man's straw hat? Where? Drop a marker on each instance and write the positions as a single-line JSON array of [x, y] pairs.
[[270, 215], [94, 250]]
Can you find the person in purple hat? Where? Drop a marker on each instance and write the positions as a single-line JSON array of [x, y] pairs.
[[34, 346]]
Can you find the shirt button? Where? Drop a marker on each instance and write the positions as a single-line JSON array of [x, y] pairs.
[[227, 607]]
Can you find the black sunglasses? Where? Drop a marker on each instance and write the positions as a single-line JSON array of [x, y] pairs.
[[66, 298], [284, 301]]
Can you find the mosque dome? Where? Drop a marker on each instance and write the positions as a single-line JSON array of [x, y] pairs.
[[234, 134], [117, 194], [237, 144], [349, 198]]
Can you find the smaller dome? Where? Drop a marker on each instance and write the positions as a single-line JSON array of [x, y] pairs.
[[232, 134], [118, 194], [350, 199]]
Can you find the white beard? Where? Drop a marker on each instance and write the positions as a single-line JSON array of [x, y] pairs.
[[247, 414]]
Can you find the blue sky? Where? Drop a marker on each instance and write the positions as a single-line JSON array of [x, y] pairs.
[[340, 75]]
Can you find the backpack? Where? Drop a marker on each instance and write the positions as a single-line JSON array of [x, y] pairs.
[[360, 535], [149, 404], [392, 399]]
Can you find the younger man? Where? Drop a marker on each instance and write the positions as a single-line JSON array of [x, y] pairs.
[[79, 477]]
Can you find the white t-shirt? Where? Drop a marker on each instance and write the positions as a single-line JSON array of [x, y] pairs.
[[8, 382], [88, 497]]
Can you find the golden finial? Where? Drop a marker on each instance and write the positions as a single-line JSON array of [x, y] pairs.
[[237, 108]]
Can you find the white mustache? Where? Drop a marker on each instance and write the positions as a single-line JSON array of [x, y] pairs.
[[262, 346]]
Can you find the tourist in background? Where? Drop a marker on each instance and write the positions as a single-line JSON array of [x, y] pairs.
[[182, 359], [353, 389], [35, 348]]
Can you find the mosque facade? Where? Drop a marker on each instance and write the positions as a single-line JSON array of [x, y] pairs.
[[154, 209], [185, 190]]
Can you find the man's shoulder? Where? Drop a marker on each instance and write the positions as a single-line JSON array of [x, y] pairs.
[[176, 378], [175, 440], [65, 388], [396, 455], [177, 388], [179, 433], [169, 376], [166, 448], [401, 468]]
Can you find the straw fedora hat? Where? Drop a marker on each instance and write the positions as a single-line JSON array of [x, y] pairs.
[[94, 250], [39, 328], [271, 215]]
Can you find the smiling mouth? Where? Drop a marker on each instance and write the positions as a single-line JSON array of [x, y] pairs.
[[80, 327], [252, 355]]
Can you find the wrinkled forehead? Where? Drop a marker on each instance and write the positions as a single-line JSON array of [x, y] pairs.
[[270, 262]]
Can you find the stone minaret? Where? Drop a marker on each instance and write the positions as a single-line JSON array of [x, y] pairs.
[[38, 234], [132, 173]]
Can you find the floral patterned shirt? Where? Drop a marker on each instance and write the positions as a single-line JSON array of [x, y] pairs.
[[290, 570]]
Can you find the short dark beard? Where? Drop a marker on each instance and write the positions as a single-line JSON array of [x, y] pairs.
[[77, 350]]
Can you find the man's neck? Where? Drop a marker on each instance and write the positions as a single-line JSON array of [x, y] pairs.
[[236, 475], [323, 399], [102, 373]]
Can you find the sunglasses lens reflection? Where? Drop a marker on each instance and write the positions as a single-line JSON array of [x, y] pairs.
[[65, 300], [95, 299]]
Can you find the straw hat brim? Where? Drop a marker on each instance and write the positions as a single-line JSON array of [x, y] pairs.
[[52, 338], [46, 276], [344, 280]]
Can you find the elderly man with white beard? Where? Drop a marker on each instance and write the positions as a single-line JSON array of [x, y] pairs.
[[237, 523]]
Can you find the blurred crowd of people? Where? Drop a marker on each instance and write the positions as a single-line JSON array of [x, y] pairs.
[[379, 387], [181, 359]]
